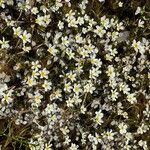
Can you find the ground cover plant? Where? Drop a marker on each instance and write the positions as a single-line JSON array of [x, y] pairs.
[[74, 75]]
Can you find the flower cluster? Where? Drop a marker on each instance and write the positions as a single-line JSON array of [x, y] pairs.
[[74, 76]]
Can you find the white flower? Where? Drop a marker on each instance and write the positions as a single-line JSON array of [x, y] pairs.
[[83, 109], [120, 4], [70, 102], [98, 117], [109, 135], [37, 97], [84, 53], [141, 23], [60, 25], [80, 20], [17, 31], [94, 73], [65, 41], [57, 93], [26, 37], [44, 73], [89, 87], [52, 50], [136, 45], [129, 136], [73, 147], [47, 85], [79, 38], [77, 88], [31, 81], [67, 140], [48, 146], [114, 94], [4, 43], [26, 48], [71, 76], [36, 65], [76, 99], [65, 130], [47, 19], [2, 3], [142, 129], [111, 72], [143, 144], [3, 87], [7, 98], [126, 89], [4, 77], [131, 98], [35, 74], [138, 10], [40, 20], [34, 10], [95, 61], [68, 87], [122, 128], [100, 31], [105, 22]]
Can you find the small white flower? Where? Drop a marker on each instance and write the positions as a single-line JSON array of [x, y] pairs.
[[98, 117], [44, 73], [47, 85], [77, 88], [65, 41], [111, 72], [26, 48], [4, 43], [31, 81], [26, 37], [141, 23], [37, 97], [2, 3], [143, 144], [83, 109], [100, 31], [114, 95], [136, 45], [131, 98], [35, 65], [70, 102], [68, 87], [40, 20], [120, 4], [123, 128], [34, 10], [47, 19], [17, 31], [138, 10], [7, 98], [60, 25], [73, 147], [71, 76], [105, 22], [89, 87], [52, 50], [94, 73], [35, 74], [3, 87], [101, 0]]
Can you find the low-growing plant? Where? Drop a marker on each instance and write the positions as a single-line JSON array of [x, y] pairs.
[[74, 75]]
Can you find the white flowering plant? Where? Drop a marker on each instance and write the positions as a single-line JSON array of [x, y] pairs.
[[74, 75]]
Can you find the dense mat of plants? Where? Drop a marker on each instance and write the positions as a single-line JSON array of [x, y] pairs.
[[74, 75]]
